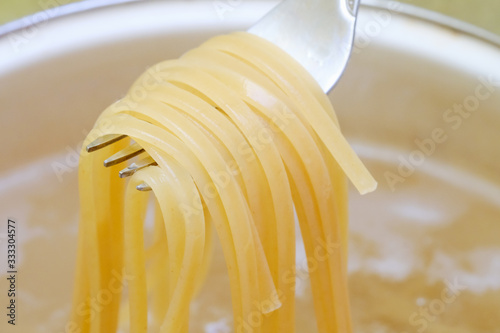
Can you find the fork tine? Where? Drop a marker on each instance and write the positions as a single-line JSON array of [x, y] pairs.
[[134, 167], [143, 187], [124, 154], [104, 141]]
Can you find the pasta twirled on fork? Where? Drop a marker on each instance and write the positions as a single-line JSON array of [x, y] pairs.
[[240, 135]]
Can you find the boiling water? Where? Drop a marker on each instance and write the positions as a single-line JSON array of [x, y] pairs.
[[423, 258]]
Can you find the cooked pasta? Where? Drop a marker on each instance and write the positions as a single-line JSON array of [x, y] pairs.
[[241, 135]]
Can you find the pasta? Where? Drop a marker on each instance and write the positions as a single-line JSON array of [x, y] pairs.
[[241, 136]]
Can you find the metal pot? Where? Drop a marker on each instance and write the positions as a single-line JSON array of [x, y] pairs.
[[419, 101]]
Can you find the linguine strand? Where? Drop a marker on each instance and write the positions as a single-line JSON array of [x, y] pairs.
[[241, 135]]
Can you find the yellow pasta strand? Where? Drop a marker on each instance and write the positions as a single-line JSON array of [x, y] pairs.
[[241, 135]]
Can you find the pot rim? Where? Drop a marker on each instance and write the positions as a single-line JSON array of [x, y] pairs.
[[391, 6]]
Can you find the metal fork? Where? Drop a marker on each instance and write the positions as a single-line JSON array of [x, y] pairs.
[[319, 34]]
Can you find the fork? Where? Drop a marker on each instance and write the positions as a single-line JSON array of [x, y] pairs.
[[318, 34]]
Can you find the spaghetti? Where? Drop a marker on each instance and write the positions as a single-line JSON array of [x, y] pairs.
[[241, 136]]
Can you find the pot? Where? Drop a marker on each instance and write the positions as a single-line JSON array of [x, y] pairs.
[[419, 101]]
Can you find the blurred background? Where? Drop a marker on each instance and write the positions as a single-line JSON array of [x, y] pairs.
[[482, 13]]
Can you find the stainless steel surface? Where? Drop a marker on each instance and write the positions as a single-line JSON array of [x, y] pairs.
[[134, 167], [144, 187], [57, 9], [104, 141], [317, 33], [124, 155], [413, 10]]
